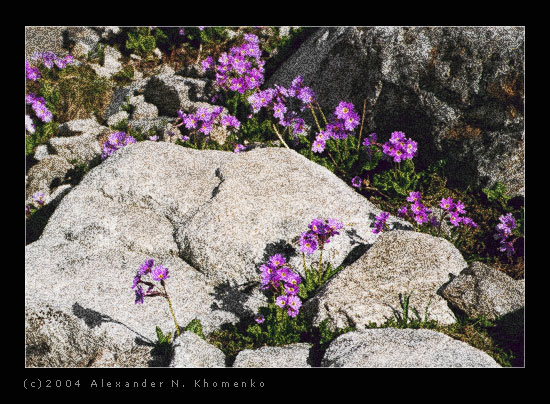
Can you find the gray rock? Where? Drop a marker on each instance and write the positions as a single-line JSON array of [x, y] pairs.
[[289, 356], [111, 64], [191, 351], [171, 93], [266, 222], [458, 91], [158, 125], [399, 262], [403, 348], [82, 39], [142, 109], [41, 152], [43, 175], [58, 193], [121, 96], [80, 127], [480, 290], [83, 148], [117, 118], [42, 39]]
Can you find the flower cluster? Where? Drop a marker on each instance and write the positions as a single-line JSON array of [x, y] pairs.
[[417, 210], [38, 105], [158, 273], [420, 213], [50, 58], [455, 209], [342, 125], [31, 72], [116, 141], [205, 119], [400, 148], [319, 233], [240, 70], [277, 100], [38, 199], [504, 230], [280, 278], [380, 222]]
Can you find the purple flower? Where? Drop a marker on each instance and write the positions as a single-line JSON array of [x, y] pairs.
[[343, 110], [294, 279], [154, 138], [306, 95], [455, 219], [356, 181], [294, 303], [308, 243], [31, 72], [38, 197], [281, 301], [137, 279], [260, 319], [145, 268], [447, 204], [460, 208], [229, 120], [201, 28], [281, 274], [469, 222], [380, 222], [277, 260], [402, 211], [207, 63], [334, 225], [159, 273], [318, 146], [239, 148], [139, 295], [114, 142], [507, 246], [185, 138], [181, 31], [414, 196]]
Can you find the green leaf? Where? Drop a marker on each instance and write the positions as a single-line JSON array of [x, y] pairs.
[[196, 327]]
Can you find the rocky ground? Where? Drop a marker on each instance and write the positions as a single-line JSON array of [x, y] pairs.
[[213, 217]]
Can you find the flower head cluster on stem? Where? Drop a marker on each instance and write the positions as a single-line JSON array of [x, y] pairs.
[[114, 142], [159, 274], [504, 230], [285, 283], [241, 69]]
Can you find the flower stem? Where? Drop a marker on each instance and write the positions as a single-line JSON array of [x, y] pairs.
[[321, 111], [279, 136], [315, 117], [171, 309], [320, 261]]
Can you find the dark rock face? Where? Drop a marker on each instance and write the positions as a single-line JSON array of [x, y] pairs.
[[458, 91]]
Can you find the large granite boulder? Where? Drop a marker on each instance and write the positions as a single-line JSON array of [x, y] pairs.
[[458, 91], [403, 348], [480, 290], [399, 263]]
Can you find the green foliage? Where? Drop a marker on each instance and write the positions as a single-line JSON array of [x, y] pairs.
[[314, 279], [161, 338], [398, 182], [124, 76], [44, 132], [497, 193], [195, 326], [209, 35], [78, 94], [141, 42]]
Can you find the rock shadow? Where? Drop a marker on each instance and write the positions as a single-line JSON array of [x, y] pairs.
[[161, 354], [233, 299]]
